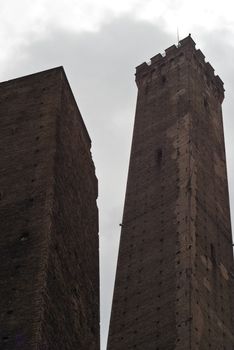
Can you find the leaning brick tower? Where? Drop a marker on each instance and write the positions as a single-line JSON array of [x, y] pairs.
[[49, 272], [174, 280]]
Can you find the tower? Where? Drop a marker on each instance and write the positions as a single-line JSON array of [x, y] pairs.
[[49, 273], [174, 280]]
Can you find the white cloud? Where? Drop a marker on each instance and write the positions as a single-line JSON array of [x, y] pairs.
[[189, 15]]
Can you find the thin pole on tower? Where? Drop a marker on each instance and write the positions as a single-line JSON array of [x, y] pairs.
[[178, 36]]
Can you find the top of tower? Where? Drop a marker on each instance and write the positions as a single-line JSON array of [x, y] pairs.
[[186, 48], [187, 41], [60, 72]]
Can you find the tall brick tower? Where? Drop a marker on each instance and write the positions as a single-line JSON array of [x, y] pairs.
[[174, 281], [49, 274]]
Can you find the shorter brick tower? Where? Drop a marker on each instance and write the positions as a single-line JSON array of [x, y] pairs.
[[174, 281], [49, 273]]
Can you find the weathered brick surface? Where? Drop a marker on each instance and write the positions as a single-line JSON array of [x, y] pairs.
[[49, 275], [173, 286]]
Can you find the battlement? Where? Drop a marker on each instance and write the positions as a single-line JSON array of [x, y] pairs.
[[170, 52], [184, 51]]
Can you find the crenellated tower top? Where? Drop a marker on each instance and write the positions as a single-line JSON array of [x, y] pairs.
[[174, 55]]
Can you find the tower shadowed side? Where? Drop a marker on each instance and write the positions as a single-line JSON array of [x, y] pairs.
[[49, 274]]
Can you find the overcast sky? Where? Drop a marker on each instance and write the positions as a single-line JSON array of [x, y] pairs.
[[99, 43]]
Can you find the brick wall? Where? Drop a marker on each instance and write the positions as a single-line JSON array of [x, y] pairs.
[[49, 284]]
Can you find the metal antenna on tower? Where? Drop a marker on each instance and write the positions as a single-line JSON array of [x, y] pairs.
[[178, 37]]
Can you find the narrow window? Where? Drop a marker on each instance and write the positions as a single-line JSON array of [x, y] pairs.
[[159, 156], [206, 105], [212, 253]]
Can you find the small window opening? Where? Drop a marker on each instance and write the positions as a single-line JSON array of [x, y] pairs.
[[159, 155], [163, 79], [24, 236]]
